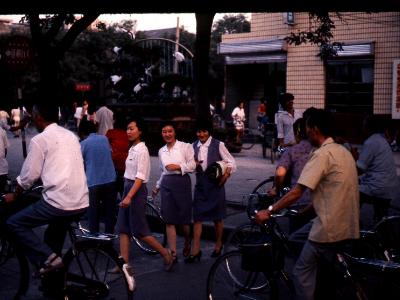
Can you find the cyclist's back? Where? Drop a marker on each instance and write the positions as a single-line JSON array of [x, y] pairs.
[[54, 157]]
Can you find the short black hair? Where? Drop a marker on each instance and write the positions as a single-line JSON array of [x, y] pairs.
[[299, 128], [141, 125], [286, 97], [309, 111], [86, 127], [374, 124], [322, 120], [204, 124], [48, 111], [168, 123]]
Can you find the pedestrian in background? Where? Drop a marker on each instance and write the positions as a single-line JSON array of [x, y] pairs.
[[239, 116], [104, 118], [285, 119], [209, 194], [100, 173], [4, 144], [131, 215], [16, 118], [176, 162], [119, 142], [4, 119]]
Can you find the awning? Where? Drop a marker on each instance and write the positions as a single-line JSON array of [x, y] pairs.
[[254, 59], [252, 46], [366, 49]]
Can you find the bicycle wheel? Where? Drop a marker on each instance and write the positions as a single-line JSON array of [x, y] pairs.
[[94, 271], [157, 228], [14, 272], [263, 186], [227, 280]]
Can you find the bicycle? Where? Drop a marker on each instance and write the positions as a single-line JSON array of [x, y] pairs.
[[255, 267], [86, 273]]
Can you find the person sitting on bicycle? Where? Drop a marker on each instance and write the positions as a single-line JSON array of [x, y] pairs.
[[377, 168], [55, 157], [331, 175], [289, 168], [285, 119]]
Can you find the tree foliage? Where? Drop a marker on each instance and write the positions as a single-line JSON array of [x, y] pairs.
[[319, 34]]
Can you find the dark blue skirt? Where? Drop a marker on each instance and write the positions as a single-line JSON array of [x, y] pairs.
[[209, 200], [176, 199], [132, 220]]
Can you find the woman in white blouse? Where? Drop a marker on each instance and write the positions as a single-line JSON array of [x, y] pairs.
[[131, 216], [209, 194], [239, 116], [176, 161]]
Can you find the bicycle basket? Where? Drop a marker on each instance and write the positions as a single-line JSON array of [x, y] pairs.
[[257, 202], [257, 254]]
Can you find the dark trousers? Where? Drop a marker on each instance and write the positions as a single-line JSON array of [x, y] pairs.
[[3, 183], [102, 202], [40, 213]]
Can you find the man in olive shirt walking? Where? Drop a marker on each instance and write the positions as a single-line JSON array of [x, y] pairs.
[[331, 175]]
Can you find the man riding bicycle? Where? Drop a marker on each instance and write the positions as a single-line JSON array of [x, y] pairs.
[[331, 175], [55, 157]]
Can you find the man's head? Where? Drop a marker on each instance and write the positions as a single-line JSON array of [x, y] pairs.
[[372, 124], [44, 114], [86, 128], [286, 100], [319, 127]]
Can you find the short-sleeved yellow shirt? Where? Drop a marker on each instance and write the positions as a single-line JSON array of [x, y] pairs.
[[331, 175]]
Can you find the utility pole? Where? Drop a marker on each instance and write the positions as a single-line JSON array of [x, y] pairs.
[[177, 37]]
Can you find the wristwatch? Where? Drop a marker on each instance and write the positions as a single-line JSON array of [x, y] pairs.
[[270, 209]]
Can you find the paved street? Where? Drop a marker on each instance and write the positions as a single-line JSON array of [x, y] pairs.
[[186, 281]]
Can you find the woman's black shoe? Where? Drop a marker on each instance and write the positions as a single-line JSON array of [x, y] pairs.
[[192, 258], [216, 253]]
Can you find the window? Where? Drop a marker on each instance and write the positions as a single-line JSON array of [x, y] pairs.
[[350, 85]]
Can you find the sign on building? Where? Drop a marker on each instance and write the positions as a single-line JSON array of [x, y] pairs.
[[396, 90]]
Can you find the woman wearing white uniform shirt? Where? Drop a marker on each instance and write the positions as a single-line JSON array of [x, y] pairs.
[[177, 160], [131, 215], [239, 116], [209, 194]]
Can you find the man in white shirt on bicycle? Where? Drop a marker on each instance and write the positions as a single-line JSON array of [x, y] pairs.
[[55, 157]]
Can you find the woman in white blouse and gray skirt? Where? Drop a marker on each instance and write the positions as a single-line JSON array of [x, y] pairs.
[[209, 194], [176, 162], [131, 216]]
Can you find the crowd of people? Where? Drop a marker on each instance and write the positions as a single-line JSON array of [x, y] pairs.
[[103, 171]]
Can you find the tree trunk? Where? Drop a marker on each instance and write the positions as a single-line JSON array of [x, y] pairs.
[[201, 64]]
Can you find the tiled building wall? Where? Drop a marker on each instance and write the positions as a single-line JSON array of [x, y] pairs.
[[305, 71]]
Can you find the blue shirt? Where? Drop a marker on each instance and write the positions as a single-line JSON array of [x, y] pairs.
[[377, 162], [99, 167]]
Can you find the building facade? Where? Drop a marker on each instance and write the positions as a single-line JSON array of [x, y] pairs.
[[359, 80]]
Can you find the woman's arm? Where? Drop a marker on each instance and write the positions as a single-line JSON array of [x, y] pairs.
[[132, 192]]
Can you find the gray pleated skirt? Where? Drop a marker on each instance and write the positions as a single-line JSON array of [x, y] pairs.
[[176, 199], [132, 220]]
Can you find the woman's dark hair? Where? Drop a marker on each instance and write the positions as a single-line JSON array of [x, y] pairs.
[[204, 124], [141, 125], [322, 120], [86, 127], [168, 123], [299, 128]]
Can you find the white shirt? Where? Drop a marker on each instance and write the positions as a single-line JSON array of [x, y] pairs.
[[181, 154], [4, 144], [55, 156], [285, 125], [226, 156], [104, 117], [137, 164]]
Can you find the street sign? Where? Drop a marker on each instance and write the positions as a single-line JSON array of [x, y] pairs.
[[82, 87], [17, 53]]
